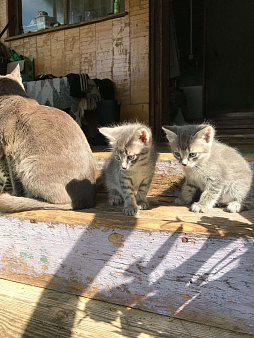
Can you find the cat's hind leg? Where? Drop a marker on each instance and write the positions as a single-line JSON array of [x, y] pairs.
[[114, 197], [238, 194], [187, 194], [14, 185], [234, 207]]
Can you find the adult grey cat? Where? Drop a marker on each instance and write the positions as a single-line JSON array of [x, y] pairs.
[[216, 170], [46, 152], [129, 170]]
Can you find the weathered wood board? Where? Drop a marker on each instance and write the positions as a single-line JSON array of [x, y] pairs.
[[28, 311], [173, 272], [166, 260]]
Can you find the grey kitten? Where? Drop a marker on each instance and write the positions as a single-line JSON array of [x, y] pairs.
[[216, 170], [130, 168]]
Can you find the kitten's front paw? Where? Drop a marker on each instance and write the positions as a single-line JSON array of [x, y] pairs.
[[234, 207], [143, 205], [130, 210], [115, 200], [197, 207]]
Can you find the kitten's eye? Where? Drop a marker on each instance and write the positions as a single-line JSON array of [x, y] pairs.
[[117, 157], [178, 155], [193, 155], [131, 157]]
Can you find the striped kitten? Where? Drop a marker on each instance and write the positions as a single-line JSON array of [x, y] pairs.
[[130, 168], [216, 170]]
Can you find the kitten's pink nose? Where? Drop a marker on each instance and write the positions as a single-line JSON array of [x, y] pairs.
[[124, 168], [184, 164]]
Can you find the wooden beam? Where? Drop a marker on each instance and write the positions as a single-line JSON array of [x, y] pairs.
[[159, 65], [166, 260], [66, 9], [46, 313]]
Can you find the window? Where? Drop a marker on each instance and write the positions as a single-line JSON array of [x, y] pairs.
[[35, 15]]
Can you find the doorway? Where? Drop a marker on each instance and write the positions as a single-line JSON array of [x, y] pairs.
[[201, 64]]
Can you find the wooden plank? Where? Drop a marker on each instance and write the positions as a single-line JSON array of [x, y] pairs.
[[58, 53], [33, 311], [72, 51], [43, 60], [88, 50], [30, 47], [139, 70], [3, 16], [139, 40], [104, 55], [173, 271], [121, 59], [133, 112], [163, 216]]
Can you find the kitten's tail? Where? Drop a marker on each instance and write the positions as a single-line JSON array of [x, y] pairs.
[[9, 203]]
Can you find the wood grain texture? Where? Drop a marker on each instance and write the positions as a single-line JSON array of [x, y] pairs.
[[132, 112], [166, 260], [121, 59], [27, 310], [104, 54], [116, 49], [103, 255], [139, 33], [88, 50], [57, 53], [72, 50], [43, 59], [3, 16], [30, 47]]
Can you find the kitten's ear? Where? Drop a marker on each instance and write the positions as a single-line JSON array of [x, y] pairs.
[[16, 73], [206, 134], [110, 133], [143, 136], [170, 133]]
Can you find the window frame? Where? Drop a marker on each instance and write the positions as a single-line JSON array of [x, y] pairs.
[[14, 8]]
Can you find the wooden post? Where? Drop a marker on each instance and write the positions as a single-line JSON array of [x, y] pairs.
[[159, 64], [66, 8]]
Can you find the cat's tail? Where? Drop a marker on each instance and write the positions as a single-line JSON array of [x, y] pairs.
[[9, 203]]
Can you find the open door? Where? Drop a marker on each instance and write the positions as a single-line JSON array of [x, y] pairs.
[[229, 65]]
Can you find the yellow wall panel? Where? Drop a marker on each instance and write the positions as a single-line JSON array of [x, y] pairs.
[[117, 49]]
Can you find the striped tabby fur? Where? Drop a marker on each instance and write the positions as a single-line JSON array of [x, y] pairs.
[[5, 180], [129, 170]]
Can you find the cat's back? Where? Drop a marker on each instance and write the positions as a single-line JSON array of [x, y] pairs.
[[229, 158], [48, 134], [52, 124]]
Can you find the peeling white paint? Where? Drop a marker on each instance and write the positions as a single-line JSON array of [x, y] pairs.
[[157, 271]]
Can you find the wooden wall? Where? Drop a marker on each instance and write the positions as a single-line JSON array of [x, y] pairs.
[[117, 49]]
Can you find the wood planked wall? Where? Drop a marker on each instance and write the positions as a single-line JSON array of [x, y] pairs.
[[117, 49]]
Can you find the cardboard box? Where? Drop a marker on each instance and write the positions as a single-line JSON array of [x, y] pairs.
[[26, 68]]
